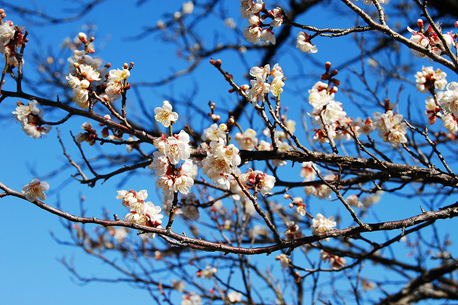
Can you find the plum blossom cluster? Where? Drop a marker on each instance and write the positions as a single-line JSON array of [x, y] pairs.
[[258, 180], [12, 38], [89, 79], [221, 162], [304, 43], [430, 40], [321, 224], [31, 118], [260, 85], [89, 134], [251, 10], [142, 212], [173, 177], [391, 127], [35, 189], [443, 102], [329, 114]]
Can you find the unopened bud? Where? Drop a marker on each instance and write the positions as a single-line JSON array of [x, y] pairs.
[[328, 66], [334, 72], [231, 121], [125, 66], [456, 24], [91, 50], [82, 37], [336, 82], [291, 205], [218, 63], [420, 23], [324, 76], [212, 61]]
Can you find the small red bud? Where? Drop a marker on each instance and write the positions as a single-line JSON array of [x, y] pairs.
[[218, 63], [212, 61], [324, 76], [328, 66], [334, 72]]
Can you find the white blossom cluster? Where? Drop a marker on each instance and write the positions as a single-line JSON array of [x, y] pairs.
[[171, 177], [260, 85], [31, 118], [429, 39], [87, 77], [141, 212], [8, 45], [443, 102], [321, 224], [304, 44], [221, 162], [326, 112], [391, 127], [251, 10]]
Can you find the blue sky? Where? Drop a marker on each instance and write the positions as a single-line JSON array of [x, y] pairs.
[[31, 269]]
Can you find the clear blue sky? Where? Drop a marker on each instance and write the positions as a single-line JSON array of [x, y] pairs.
[[31, 272]]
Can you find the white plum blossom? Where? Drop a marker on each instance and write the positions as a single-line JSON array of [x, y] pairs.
[[175, 148], [7, 31], [449, 100], [165, 115], [321, 224], [363, 127], [268, 36], [253, 34], [132, 198], [234, 297], [35, 189], [179, 180], [192, 299], [293, 231], [304, 44], [143, 212], [390, 127], [188, 7], [278, 20], [428, 79], [450, 122], [284, 260], [213, 133], [30, 117], [263, 181], [221, 161], [160, 163], [207, 273], [246, 140], [353, 200], [308, 172], [116, 78]]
